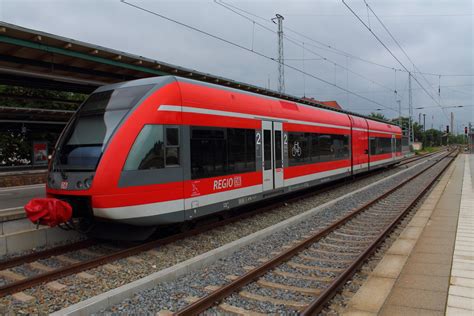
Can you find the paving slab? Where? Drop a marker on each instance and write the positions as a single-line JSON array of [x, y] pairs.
[[461, 289], [395, 310], [416, 298], [372, 296], [424, 282], [433, 269]]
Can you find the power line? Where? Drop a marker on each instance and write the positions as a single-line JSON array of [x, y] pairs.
[[233, 9], [399, 46], [251, 51], [325, 47], [393, 55], [388, 16], [294, 41], [419, 108], [400, 90]]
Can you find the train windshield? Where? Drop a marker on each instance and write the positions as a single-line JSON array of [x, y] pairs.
[[83, 143]]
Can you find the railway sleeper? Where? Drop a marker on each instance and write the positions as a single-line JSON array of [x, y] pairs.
[[257, 297]]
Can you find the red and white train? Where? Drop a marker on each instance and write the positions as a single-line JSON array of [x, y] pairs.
[[167, 150]]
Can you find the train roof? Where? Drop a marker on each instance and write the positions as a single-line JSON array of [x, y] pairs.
[[166, 79]]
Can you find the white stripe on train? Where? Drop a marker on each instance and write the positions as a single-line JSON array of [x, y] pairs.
[[168, 207], [187, 109]]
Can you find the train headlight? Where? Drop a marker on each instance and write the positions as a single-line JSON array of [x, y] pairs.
[[87, 183]]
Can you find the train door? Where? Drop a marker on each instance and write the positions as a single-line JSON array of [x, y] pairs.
[[272, 155], [359, 144]]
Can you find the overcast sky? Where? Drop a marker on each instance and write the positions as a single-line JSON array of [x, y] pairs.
[[437, 35]]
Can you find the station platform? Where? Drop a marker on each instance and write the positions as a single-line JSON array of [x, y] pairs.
[[429, 269], [13, 199], [22, 177]]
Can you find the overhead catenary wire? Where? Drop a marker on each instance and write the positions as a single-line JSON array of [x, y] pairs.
[[405, 89], [393, 55], [251, 51], [235, 10], [296, 43], [329, 47], [401, 48]]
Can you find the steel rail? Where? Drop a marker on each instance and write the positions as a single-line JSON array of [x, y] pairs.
[[209, 300], [47, 253], [416, 158], [318, 304], [20, 285]]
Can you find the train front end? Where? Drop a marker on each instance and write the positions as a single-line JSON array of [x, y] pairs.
[[88, 158]]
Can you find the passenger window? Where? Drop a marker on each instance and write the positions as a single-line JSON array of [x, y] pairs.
[[149, 150], [267, 149], [299, 148], [172, 147], [373, 146], [326, 148], [221, 151], [278, 155], [172, 136]]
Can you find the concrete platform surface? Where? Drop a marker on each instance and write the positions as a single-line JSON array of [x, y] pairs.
[[12, 199], [429, 270]]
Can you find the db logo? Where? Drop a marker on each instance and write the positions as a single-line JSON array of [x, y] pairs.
[[64, 185], [228, 183]]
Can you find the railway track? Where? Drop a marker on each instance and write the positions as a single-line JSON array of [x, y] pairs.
[[97, 253], [416, 158], [304, 277]]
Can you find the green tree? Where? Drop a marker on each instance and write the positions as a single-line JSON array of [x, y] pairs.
[[14, 149], [418, 132], [378, 116], [15, 96]]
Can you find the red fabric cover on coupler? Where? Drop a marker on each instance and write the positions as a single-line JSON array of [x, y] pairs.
[[48, 211]]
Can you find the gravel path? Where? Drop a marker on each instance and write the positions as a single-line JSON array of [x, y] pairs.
[[173, 295], [104, 279]]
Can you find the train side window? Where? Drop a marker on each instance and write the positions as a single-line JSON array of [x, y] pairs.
[[208, 154], [148, 150], [267, 149], [172, 147], [278, 155], [380, 145], [385, 145], [250, 150], [398, 144], [220, 151], [240, 150], [341, 146], [373, 146], [315, 147], [299, 148], [326, 148]]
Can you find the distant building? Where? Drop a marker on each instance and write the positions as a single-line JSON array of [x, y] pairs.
[[332, 104]]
